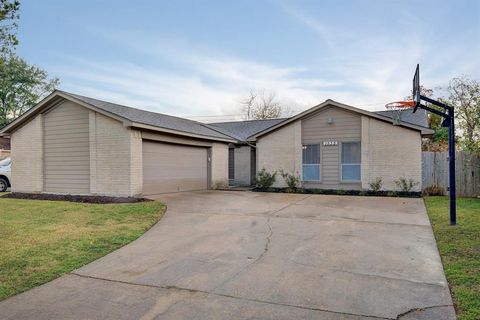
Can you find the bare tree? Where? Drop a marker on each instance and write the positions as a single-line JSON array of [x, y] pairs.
[[261, 105]]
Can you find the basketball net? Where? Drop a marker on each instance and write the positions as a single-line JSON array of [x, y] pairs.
[[397, 108]]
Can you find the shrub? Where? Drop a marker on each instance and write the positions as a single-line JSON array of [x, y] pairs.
[[340, 192], [405, 185], [392, 194], [433, 191], [376, 185], [291, 180], [266, 179], [363, 192]]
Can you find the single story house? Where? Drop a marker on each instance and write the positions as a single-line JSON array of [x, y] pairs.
[[73, 144]]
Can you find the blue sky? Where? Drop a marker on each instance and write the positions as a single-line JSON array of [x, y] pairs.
[[199, 58]]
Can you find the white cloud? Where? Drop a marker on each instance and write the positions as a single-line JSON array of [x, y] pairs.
[[186, 79]]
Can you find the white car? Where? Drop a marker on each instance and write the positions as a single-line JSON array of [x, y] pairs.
[[5, 174]]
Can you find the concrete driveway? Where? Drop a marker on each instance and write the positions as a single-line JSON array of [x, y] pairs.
[[243, 255]]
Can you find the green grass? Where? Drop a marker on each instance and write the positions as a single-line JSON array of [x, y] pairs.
[[459, 247], [42, 240]]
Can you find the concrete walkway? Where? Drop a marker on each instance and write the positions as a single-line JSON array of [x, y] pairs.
[[244, 255]]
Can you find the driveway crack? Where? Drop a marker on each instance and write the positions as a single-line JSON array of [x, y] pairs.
[[231, 296], [401, 315], [260, 257], [267, 242]]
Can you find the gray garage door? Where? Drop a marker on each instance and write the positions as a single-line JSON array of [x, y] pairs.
[[172, 168]]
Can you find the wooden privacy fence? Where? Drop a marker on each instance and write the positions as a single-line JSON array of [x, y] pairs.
[[467, 171]]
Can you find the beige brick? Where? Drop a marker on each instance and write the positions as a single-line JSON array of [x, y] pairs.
[[390, 152], [110, 167], [27, 157], [219, 164], [281, 150], [136, 163]]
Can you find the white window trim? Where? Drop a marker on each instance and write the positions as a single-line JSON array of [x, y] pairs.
[[350, 164], [314, 164]]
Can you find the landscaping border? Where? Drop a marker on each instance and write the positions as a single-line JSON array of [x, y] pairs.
[[397, 194], [73, 198]]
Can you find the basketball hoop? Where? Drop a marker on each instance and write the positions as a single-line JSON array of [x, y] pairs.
[[397, 108]]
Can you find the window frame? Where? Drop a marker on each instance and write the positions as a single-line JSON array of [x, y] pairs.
[[313, 164], [351, 164]]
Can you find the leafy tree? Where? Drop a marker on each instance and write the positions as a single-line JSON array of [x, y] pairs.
[[261, 105], [439, 140], [8, 26], [21, 87], [464, 96]]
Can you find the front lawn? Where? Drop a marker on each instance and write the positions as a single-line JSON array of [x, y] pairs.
[[459, 247], [42, 240]]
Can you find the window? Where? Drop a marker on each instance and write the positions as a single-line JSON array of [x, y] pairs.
[[351, 160], [311, 162]]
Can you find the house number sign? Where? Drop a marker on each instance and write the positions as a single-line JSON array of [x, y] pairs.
[[330, 143]]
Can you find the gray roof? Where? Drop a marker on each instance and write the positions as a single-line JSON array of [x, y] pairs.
[[152, 118], [238, 130], [418, 118], [241, 130]]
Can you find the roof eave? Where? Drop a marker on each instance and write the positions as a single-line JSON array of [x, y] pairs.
[[327, 103], [6, 131], [39, 107], [27, 115], [181, 133]]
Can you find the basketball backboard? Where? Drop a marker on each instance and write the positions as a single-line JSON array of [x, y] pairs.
[[416, 88]]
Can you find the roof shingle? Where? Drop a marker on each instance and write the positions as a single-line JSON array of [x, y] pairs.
[[241, 130], [151, 118]]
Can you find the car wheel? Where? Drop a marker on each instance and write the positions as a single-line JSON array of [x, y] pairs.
[[3, 185]]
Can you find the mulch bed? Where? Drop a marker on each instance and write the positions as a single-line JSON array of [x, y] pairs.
[[73, 198], [401, 194]]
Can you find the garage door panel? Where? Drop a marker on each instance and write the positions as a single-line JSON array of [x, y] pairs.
[[173, 168]]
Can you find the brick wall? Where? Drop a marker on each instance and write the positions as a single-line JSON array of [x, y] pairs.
[[390, 152], [110, 157], [281, 150], [27, 157], [219, 164], [136, 163]]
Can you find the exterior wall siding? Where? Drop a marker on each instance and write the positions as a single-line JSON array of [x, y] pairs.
[[27, 157], [344, 126], [281, 150], [390, 152], [66, 149]]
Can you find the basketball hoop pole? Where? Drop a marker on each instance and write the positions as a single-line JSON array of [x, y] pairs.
[[451, 164], [449, 122]]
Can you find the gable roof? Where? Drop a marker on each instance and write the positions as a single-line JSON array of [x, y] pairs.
[[241, 130], [234, 131], [332, 103], [130, 116]]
